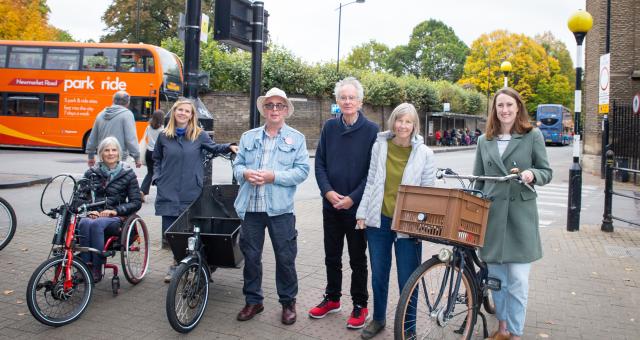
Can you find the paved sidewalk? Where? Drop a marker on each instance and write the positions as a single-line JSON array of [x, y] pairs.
[[585, 287]]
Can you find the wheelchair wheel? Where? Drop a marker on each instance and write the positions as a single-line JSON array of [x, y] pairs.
[[187, 296], [7, 223], [135, 249], [49, 301]]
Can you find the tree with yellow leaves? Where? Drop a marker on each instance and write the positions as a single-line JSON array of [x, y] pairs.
[[27, 20], [535, 74]]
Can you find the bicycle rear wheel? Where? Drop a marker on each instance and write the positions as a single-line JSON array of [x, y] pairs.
[[8, 223], [421, 311], [187, 296]]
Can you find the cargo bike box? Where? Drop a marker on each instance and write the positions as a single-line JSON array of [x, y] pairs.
[[219, 226], [449, 216]]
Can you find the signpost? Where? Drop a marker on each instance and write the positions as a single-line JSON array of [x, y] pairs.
[[603, 88]]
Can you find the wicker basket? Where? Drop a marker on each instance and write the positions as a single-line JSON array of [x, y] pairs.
[[439, 214]]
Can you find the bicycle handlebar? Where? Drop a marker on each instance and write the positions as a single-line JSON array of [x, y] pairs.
[[448, 173], [87, 206]]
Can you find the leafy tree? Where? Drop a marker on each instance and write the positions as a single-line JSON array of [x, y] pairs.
[[421, 93], [534, 73], [158, 19], [25, 20], [558, 50], [434, 51], [371, 55]]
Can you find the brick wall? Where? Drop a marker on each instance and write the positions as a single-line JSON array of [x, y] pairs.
[[231, 113], [625, 59]]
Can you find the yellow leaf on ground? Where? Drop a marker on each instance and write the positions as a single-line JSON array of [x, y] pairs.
[[8, 292], [543, 335]]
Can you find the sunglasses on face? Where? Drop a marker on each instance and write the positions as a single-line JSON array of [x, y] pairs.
[[278, 106]]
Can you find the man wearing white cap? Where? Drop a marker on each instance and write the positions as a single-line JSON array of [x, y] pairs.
[[272, 160]]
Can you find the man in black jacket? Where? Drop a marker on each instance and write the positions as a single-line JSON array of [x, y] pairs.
[[341, 167]]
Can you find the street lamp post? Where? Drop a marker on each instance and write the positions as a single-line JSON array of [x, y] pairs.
[[579, 23], [505, 67], [339, 24]]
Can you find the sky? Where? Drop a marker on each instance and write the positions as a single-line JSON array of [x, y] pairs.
[[309, 28]]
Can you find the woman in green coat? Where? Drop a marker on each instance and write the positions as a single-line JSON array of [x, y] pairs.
[[512, 240]]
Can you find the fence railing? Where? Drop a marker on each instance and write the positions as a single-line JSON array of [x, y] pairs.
[[625, 140], [607, 220]]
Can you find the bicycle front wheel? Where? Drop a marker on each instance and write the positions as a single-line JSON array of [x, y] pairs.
[[54, 301], [8, 223], [187, 296], [422, 309]]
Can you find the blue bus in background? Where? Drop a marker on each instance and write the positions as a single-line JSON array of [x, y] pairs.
[[555, 122]]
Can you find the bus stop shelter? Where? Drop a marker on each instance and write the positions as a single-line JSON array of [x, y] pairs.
[[450, 120]]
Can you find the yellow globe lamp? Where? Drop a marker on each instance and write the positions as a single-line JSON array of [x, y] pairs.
[[580, 22], [505, 67]]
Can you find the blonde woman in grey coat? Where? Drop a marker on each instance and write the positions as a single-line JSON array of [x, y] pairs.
[[399, 156]]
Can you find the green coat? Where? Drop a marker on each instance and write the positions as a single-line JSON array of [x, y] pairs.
[[512, 230]]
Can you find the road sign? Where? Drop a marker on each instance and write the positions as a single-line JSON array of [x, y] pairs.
[[636, 103], [603, 88]]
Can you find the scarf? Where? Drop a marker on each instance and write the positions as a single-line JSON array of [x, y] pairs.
[[180, 132], [111, 172]]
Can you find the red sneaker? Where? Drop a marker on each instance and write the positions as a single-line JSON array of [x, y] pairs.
[[358, 317], [325, 307]]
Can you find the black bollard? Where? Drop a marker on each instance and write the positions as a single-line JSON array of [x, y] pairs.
[[607, 220], [575, 196]]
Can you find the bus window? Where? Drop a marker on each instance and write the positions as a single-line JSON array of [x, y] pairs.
[[25, 57], [23, 104], [51, 102], [142, 107], [549, 121], [62, 59], [99, 59], [136, 60], [3, 56]]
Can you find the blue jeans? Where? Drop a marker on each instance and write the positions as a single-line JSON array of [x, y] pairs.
[[283, 234], [91, 232], [408, 253], [511, 299]]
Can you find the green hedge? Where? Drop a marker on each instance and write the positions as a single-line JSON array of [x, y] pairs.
[[230, 71]]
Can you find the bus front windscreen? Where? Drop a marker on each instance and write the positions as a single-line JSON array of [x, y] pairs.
[[550, 121], [172, 84]]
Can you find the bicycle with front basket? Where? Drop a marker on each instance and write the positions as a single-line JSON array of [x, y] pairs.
[[443, 296]]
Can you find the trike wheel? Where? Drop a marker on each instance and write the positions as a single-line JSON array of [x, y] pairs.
[[187, 296], [7, 223], [54, 301], [421, 311], [135, 249]]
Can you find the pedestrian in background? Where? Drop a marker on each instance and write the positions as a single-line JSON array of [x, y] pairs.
[[512, 239], [438, 137], [341, 165], [178, 168], [399, 156], [151, 134], [117, 121], [272, 161]]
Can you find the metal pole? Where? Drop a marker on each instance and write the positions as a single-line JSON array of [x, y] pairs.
[[607, 220], [605, 118], [339, 24], [257, 44], [506, 80], [575, 171], [138, 21], [191, 48]]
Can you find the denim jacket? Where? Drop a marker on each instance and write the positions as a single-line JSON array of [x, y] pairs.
[[289, 162]]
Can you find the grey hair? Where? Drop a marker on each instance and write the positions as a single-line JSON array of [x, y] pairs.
[[349, 81], [121, 98], [402, 110], [109, 141]]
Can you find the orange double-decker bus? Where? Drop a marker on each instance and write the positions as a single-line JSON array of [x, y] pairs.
[[51, 92]]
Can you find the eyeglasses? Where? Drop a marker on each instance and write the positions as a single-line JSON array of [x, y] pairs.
[[277, 107], [349, 98]]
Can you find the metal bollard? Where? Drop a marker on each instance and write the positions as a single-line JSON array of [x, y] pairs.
[[607, 220]]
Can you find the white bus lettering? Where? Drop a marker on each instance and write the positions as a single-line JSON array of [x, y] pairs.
[[115, 85], [78, 84]]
